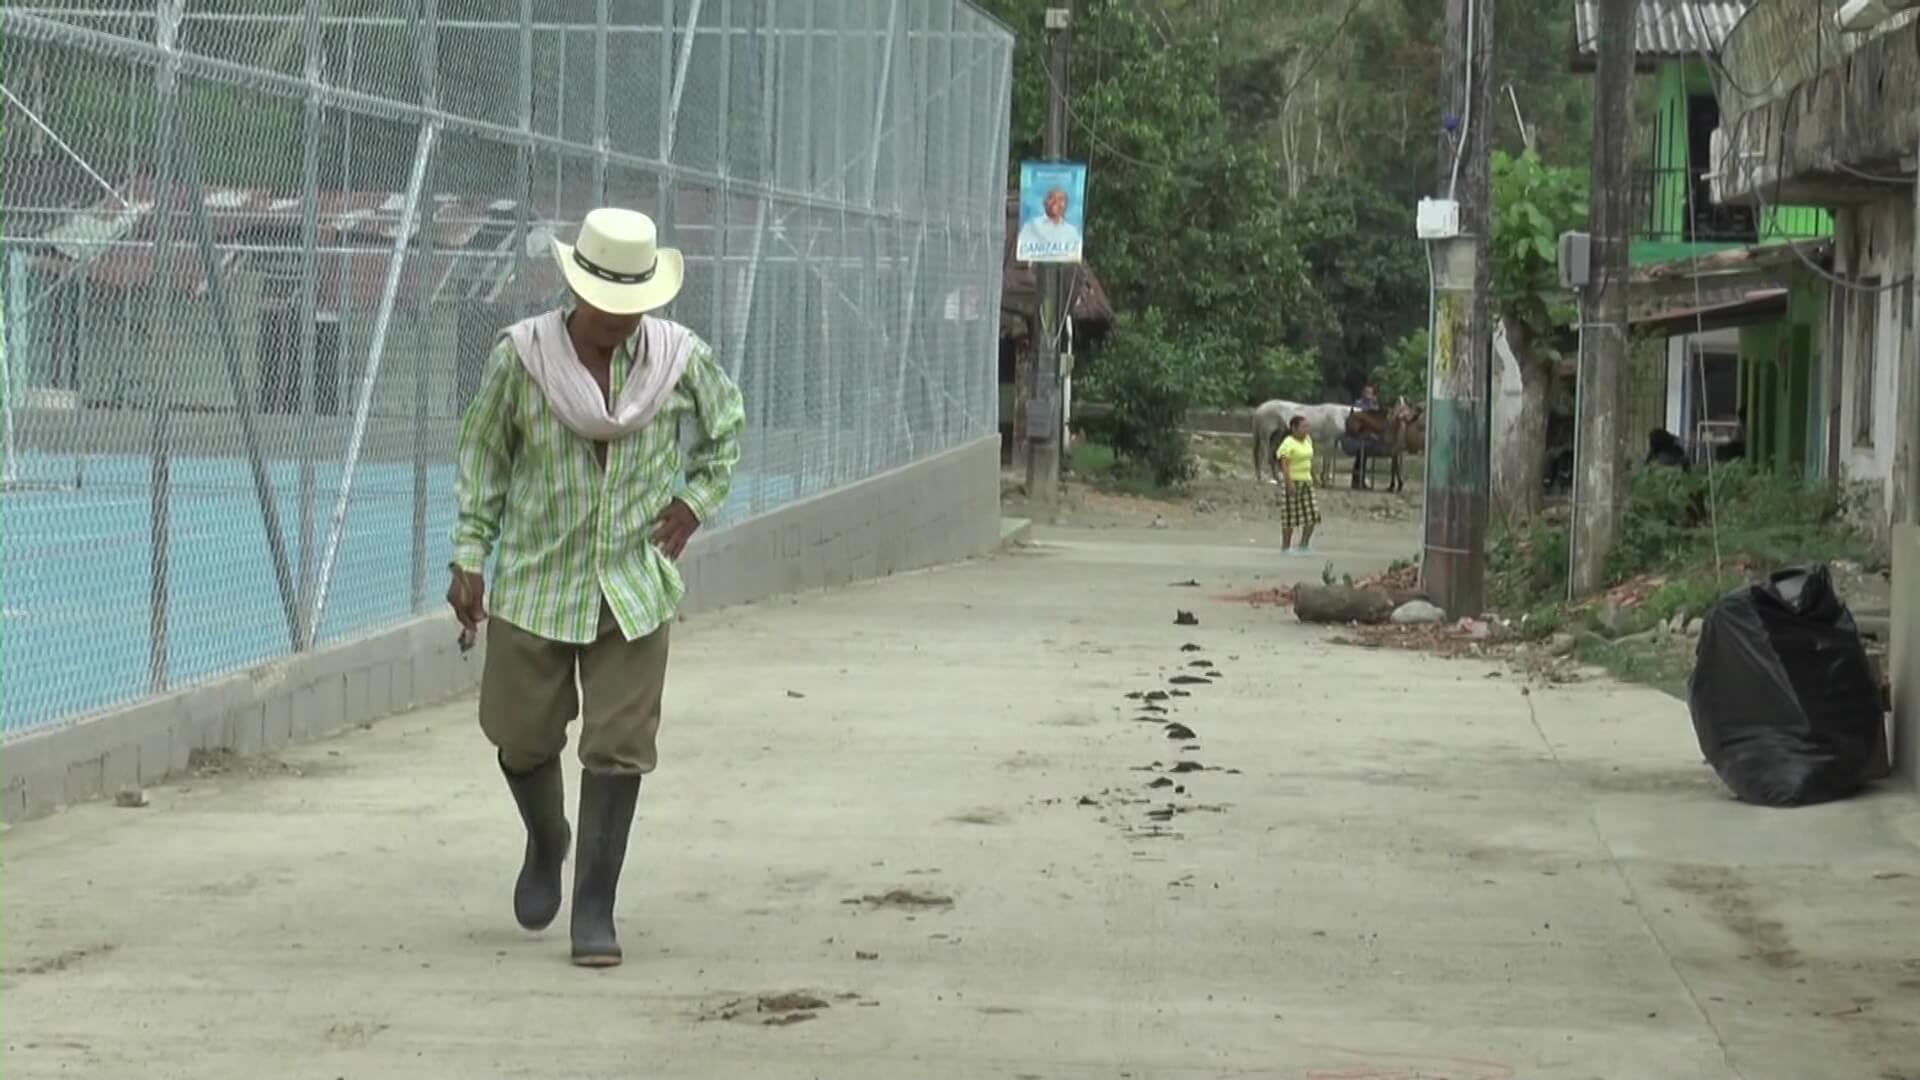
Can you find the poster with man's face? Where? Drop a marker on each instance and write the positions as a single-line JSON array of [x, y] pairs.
[[1052, 211]]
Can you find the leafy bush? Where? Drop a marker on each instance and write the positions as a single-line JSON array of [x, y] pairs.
[[1763, 519], [1289, 374], [1403, 371], [1533, 203], [1527, 567], [1144, 374], [1760, 515]]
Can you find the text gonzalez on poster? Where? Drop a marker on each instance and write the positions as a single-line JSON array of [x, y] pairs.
[[1052, 212]]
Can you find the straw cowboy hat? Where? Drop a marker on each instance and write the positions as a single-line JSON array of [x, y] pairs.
[[617, 264]]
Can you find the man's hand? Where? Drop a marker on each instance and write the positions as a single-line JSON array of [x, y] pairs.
[[467, 595], [674, 527]]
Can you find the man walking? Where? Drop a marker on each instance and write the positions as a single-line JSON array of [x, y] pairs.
[[569, 472]]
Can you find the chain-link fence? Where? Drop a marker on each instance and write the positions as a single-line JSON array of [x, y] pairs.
[[254, 251]]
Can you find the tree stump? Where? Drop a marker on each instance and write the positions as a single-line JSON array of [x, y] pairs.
[[1340, 604]]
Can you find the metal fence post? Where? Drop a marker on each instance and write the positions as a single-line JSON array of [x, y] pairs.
[[376, 351], [524, 153], [600, 103], [160, 394], [243, 406], [997, 166], [309, 313], [423, 243], [723, 214], [834, 356], [770, 158], [9, 472], [811, 401], [769, 174]]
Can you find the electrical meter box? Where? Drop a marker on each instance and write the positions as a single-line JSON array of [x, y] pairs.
[[1437, 219], [1575, 259]]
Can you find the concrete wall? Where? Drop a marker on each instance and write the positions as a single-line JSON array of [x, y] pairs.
[[939, 510], [1877, 329], [1904, 659]]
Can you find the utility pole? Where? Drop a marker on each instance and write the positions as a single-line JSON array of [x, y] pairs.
[[1044, 420], [1600, 386], [1453, 563]]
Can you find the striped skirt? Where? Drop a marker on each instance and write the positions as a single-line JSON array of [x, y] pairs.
[[1298, 509]]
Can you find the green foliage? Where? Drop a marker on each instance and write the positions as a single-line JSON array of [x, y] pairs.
[[1254, 165], [1763, 520], [1186, 214], [1290, 374], [1527, 567], [1664, 669], [1690, 594], [1403, 371], [1533, 203], [1761, 516], [1363, 256], [1142, 373]]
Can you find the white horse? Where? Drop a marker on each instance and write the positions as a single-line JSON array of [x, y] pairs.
[[1325, 425]]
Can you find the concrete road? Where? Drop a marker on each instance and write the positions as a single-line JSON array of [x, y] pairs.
[[931, 806]]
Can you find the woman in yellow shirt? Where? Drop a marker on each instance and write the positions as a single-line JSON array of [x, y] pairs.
[[1298, 510]]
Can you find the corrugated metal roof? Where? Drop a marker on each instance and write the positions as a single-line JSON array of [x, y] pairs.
[[1666, 28]]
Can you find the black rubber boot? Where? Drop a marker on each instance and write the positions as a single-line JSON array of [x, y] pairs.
[[541, 796], [606, 817]]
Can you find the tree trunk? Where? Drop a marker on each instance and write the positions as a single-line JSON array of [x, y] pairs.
[[1520, 442], [1340, 604]]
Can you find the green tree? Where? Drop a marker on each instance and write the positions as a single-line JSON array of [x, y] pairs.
[[1146, 373], [1363, 257], [1403, 372], [1254, 165], [1533, 203], [1185, 213]]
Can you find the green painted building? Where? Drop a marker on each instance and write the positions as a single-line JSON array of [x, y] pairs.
[[1736, 316]]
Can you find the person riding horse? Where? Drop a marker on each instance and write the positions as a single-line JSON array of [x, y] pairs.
[[1389, 434], [1360, 444]]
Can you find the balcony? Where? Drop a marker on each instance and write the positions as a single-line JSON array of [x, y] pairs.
[[1825, 107], [1671, 206], [1673, 211]]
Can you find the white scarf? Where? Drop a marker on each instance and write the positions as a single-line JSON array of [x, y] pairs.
[[547, 352]]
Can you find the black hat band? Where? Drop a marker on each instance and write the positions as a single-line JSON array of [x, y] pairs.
[[614, 276]]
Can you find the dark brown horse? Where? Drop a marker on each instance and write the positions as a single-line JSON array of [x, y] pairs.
[[1398, 431]]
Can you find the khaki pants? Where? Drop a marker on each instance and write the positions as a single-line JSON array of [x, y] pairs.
[[528, 696]]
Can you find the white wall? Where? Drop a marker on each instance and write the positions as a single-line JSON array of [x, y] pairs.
[[1875, 240], [1677, 389], [1507, 399]]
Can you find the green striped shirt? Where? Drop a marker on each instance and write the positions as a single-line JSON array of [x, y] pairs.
[[529, 489]]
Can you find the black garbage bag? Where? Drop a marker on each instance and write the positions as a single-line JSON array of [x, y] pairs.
[[1783, 697]]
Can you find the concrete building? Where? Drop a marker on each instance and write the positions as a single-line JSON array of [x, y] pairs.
[[1816, 113], [1731, 348]]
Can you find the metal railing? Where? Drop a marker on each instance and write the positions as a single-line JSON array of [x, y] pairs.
[[250, 261], [1676, 206]]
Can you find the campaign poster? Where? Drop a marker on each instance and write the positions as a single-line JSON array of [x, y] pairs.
[[1053, 211]]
